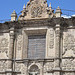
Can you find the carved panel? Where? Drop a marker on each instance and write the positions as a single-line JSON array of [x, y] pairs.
[[21, 67], [19, 45], [68, 73], [18, 67], [50, 42], [3, 65], [68, 64], [48, 66], [69, 44], [4, 45], [51, 46], [36, 11], [19, 42]]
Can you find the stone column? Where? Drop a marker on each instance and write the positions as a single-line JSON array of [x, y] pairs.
[[57, 50], [11, 51]]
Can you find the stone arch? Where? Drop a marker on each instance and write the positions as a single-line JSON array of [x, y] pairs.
[[34, 69], [37, 64]]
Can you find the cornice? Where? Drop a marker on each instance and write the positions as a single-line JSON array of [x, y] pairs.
[[39, 22]]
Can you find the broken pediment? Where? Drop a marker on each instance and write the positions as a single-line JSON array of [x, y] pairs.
[[35, 9]]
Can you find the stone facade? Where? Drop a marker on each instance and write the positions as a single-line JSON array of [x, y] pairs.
[[59, 42]]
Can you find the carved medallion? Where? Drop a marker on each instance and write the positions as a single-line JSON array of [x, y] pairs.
[[36, 11]]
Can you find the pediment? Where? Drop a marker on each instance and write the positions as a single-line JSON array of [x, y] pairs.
[[35, 9]]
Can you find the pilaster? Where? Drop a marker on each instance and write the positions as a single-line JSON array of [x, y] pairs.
[[41, 70], [57, 50], [11, 51]]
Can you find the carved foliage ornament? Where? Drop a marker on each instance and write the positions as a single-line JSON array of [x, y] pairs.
[[48, 66], [68, 73], [68, 64], [19, 42], [51, 39], [36, 11], [69, 44], [3, 65], [4, 45]]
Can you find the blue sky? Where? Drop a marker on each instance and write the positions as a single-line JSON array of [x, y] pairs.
[[7, 6]]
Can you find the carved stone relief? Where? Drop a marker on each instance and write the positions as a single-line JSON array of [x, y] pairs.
[[19, 42], [68, 64], [4, 45], [48, 66], [3, 65], [68, 45], [18, 67], [68, 73], [50, 42], [19, 45], [36, 9], [51, 39]]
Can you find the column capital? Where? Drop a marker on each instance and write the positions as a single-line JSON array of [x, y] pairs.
[[57, 26], [11, 31]]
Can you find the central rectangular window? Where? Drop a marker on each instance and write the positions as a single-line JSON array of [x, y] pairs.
[[36, 46]]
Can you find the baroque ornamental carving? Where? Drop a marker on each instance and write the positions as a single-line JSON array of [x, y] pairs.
[[36, 11], [68, 64], [19, 42], [68, 73], [51, 46], [4, 42], [69, 46], [4, 46], [48, 66], [3, 65]]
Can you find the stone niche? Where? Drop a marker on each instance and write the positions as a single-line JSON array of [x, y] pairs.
[[4, 45]]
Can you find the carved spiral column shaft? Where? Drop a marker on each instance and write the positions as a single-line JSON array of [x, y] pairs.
[[11, 49], [57, 49]]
